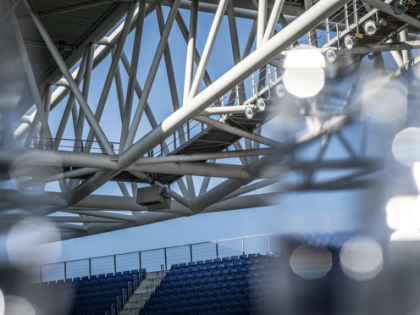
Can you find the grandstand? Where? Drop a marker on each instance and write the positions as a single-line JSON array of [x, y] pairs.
[[236, 285], [240, 284], [94, 294]]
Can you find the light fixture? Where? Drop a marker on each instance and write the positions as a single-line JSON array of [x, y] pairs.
[[249, 112], [349, 42], [304, 74], [399, 7], [370, 27], [280, 91], [330, 55], [260, 104]]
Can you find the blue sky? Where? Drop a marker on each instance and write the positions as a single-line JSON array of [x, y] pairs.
[[318, 211]]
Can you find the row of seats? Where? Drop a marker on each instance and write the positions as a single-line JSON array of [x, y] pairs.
[[201, 297], [254, 291], [92, 295], [97, 280], [244, 272], [203, 285], [219, 286], [220, 264], [224, 259], [259, 292], [232, 310]]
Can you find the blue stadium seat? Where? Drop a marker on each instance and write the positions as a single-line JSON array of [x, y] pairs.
[[110, 279], [90, 295], [128, 277], [88, 289], [122, 285], [93, 282]]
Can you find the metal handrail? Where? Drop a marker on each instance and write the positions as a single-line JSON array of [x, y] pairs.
[[142, 260]]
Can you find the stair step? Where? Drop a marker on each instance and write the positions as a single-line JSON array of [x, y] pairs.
[[142, 293]]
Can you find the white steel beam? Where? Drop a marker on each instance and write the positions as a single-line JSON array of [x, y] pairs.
[[151, 76], [189, 65], [31, 81], [53, 178], [9, 10], [73, 86], [206, 181], [101, 202], [101, 161], [239, 132], [262, 19], [111, 73], [273, 20], [406, 54], [387, 8], [208, 49], [133, 72], [103, 214], [71, 103], [279, 42]]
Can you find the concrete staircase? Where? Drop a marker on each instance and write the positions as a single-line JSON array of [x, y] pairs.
[[142, 294]]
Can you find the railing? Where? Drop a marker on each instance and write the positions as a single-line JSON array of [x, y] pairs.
[[245, 93], [346, 20], [156, 259]]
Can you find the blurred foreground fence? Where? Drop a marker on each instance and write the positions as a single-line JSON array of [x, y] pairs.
[[157, 259]]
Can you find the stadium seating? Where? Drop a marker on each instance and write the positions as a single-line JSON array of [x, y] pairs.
[[232, 285], [92, 295]]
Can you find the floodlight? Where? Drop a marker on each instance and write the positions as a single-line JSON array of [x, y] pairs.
[[399, 7], [260, 104], [249, 112], [280, 91], [330, 55], [370, 27], [349, 42]]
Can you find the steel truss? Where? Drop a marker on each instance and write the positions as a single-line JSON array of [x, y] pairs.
[[169, 152]]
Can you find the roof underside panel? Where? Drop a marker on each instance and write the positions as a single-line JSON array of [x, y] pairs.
[[71, 26]]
